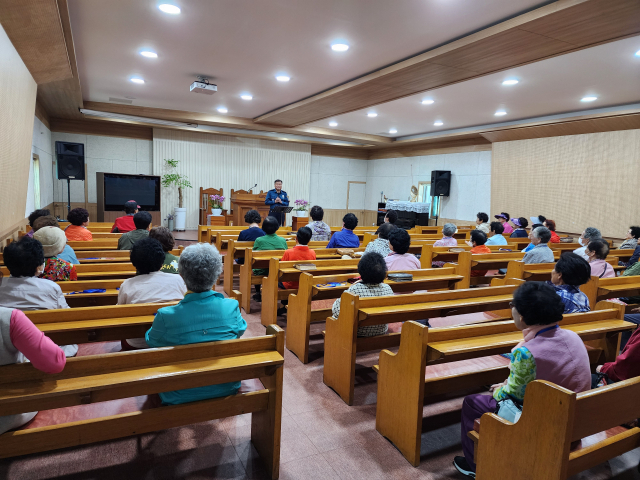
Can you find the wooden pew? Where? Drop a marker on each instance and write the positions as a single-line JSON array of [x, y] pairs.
[[207, 232], [341, 342], [261, 260], [221, 239], [97, 271], [300, 315], [112, 376], [96, 324], [237, 250], [109, 297], [403, 385], [599, 289], [280, 271], [460, 236], [99, 244], [103, 235], [112, 256], [552, 419], [430, 254], [469, 262]]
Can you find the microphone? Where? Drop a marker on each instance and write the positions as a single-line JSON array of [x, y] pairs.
[[249, 189]]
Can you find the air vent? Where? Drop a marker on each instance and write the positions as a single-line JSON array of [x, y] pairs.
[[120, 100]]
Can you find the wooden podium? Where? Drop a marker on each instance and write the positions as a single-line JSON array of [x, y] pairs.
[[243, 201]]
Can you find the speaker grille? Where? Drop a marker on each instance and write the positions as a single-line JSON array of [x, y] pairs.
[[71, 166]]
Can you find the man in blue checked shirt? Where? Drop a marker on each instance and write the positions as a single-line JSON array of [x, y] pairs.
[[277, 198]]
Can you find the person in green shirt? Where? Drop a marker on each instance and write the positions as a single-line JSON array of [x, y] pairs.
[[163, 235], [270, 241], [141, 220]]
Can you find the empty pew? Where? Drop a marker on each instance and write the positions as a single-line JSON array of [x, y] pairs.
[[260, 260], [552, 419], [75, 300], [236, 250], [112, 376], [341, 342], [281, 271], [300, 315], [95, 324], [403, 385]]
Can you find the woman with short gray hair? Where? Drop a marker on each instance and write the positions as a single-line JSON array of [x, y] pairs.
[[203, 315], [590, 233], [540, 253], [447, 240]]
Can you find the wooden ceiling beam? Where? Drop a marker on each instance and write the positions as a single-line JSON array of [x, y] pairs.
[[561, 27], [236, 122], [35, 29]]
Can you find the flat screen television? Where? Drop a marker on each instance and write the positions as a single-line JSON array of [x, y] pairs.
[[120, 188]]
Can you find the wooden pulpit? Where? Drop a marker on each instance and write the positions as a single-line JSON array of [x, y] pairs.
[[243, 201]]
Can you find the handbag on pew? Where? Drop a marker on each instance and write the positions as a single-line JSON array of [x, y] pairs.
[[400, 277], [346, 251], [510, 409]]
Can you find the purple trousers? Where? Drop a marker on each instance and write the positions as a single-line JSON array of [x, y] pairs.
[[474, 406]]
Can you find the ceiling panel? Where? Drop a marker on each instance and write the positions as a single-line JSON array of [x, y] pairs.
[[610, 71], [242, 44]]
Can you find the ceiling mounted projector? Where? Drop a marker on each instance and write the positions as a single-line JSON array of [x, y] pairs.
[[203, 86]]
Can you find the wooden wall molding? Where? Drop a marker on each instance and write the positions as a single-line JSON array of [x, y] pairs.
[[478, 144], [342, 152], [35, 29], [555, 29], [42, 115], [574, 127], [97, 127]]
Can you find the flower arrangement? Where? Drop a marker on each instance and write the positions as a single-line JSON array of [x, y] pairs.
[[215, 201], [301, 205]]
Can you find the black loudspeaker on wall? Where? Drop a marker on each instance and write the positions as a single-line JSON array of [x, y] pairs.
[[440, 183], [70, 158]]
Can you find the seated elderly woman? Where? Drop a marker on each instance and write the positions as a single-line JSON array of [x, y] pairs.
[[540, 253], [381, 244], [253, 218], [546, 352], [53, 242], [23, 289], [400, 258], [447, 239], [151, 284], [77, 231], [482, 224], [570, 272], [163, 235], [521, 224], [33, 216], [551, 225], [68, 255], [373, 271], [23, 342], [597, 251], [204, 315], [632, 238], [321, 231], [496, 237], [590, 233]]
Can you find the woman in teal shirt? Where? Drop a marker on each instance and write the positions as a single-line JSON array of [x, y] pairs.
[[202, 316]]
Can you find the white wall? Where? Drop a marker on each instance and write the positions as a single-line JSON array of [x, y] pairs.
[[213, 161], [103, 154], [42, 146], [330, 177], [470, 182]]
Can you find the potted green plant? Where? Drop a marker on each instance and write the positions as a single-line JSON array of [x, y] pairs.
[[175, 179]]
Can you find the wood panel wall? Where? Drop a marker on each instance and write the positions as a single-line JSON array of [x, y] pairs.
[[579, 181], [17, 107]]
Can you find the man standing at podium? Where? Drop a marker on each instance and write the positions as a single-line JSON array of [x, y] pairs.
[[277, 198]]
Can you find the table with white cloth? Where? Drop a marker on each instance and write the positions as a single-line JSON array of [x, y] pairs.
[[416, 207]]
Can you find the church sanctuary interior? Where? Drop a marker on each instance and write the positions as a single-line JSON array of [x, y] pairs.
[[304, 239]]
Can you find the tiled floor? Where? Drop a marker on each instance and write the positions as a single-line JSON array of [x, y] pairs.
[[322, 438]]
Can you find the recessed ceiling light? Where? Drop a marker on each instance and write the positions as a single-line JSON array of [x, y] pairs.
[[438, 123], [246, 96], [137, 80], [372, 114], [500, 113], [222, 110], [333, 124], [149, 54], [393, 130], [168, 8], [638, 53], [283, 78], [590, 98], [511, 81], [427, 101], [339, 47]]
